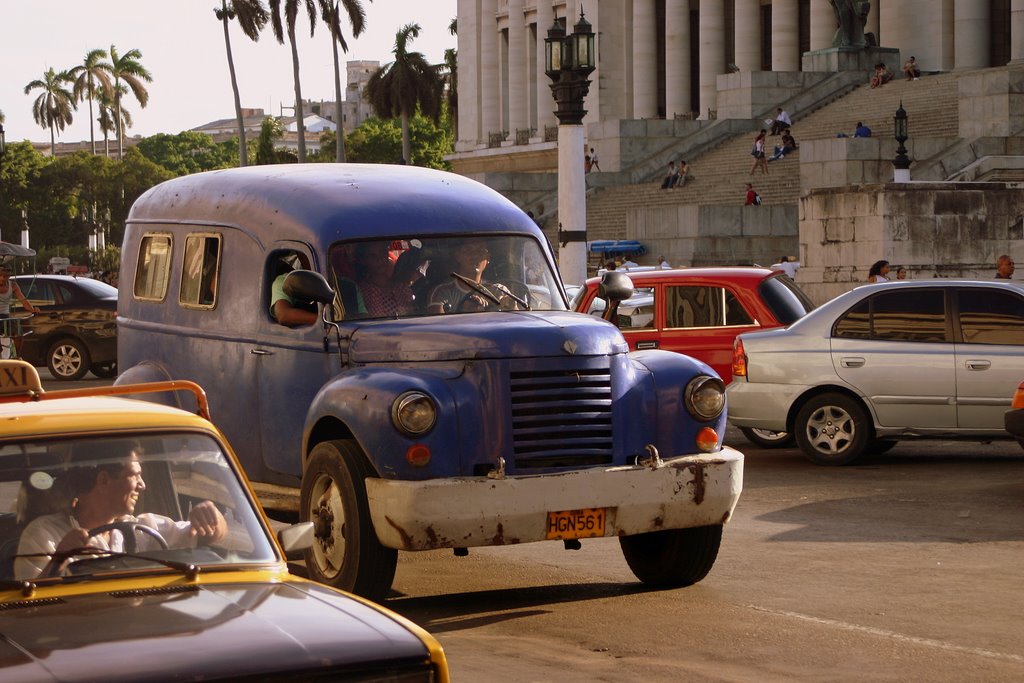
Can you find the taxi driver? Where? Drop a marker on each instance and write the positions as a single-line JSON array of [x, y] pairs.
[[101, 494]]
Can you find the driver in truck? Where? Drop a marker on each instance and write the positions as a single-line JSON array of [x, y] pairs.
[[468, 292], [103, 488]]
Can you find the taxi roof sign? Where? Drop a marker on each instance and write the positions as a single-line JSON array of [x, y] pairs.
[[18, 378]]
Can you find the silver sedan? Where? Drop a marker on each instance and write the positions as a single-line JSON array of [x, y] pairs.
[[884, 362]]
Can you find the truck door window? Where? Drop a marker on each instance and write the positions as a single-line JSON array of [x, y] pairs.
[[200, 271], [154, 267]]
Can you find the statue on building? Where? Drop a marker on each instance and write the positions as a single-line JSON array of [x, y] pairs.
[[852, 15]]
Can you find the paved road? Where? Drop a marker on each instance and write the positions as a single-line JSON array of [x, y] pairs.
[[906, 567]]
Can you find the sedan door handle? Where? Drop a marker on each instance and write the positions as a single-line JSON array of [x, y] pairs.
[[261, 352], [978, 364], [646, 345], [851, 362]]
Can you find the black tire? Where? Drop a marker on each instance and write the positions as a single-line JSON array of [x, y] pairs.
[[766, 438], [104, 370], [346, 553], [833, 429], [879, 446], [673, 558], [68, 359]]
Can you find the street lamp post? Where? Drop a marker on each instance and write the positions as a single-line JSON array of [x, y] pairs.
[[568, 62], [901, 164]]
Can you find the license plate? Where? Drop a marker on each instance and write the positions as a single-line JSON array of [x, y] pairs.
[[587, 523]]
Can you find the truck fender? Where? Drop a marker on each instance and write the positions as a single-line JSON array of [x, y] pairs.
[[362, 399], [148, 371]]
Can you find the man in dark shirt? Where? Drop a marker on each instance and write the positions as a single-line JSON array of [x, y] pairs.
[[1004, 267]]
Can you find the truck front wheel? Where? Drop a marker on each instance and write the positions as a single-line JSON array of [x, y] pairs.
[[346, 553], [672, 558]]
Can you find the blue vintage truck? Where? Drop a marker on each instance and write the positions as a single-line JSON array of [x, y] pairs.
[[396, 342]]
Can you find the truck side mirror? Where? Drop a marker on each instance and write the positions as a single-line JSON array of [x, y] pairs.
[[614, 287], [307, 285]]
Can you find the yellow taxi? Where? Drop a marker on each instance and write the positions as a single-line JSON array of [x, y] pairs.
[[132, 548]]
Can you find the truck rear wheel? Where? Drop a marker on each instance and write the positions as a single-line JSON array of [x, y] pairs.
[[346, 553], [672, 558]]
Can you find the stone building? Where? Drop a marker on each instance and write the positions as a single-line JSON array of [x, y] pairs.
[[692, 79]]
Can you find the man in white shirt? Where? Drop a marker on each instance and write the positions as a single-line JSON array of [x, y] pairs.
[[786, 266], [100, 495], [781, 122]]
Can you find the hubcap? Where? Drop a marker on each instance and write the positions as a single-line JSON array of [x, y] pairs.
[[328, 516], [830, 430], [66, 360]]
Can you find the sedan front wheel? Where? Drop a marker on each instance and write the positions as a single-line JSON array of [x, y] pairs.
[[833, 429]]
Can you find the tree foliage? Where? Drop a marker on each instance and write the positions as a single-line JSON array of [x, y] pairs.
[[379, 141], [188, 152]]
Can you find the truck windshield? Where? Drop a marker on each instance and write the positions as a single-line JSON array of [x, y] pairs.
[[410, 277]]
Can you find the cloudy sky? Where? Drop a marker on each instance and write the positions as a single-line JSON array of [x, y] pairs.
[[182, 46]]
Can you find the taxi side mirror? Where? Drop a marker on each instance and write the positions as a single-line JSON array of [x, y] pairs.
[[307, 285], [296, 538]]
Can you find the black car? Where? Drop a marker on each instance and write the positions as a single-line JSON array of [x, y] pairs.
[[75, 330]]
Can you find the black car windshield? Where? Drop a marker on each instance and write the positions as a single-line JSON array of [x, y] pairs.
[[785, 299], [407, 277], [170, 484]]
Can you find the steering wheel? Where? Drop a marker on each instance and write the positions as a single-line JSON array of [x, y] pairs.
[[128, 530]]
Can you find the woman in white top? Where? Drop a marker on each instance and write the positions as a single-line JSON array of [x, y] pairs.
[[9, 290], [879, 272]]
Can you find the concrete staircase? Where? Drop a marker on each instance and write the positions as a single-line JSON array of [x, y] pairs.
[[721, 174]]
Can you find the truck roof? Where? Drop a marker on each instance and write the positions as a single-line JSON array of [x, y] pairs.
[[332, 201]]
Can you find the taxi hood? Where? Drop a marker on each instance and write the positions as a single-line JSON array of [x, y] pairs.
[[238, 631], [478, 336]]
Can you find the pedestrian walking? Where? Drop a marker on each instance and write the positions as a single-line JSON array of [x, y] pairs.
[[879, 272], [753, 198], [760, 160], [594, 166], [1004, 267]]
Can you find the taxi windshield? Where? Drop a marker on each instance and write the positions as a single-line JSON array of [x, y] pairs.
[[406, 277], [123, 504]]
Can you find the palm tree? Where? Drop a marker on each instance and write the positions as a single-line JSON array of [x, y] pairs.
[[451, 62], [252, 17], [129, 69], [291, 10], [357, 19], [52, 109], [91, 74], [396, 89], [108, 116]]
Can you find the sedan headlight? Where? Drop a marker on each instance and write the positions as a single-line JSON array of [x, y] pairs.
[[414, 413], [705, 397]]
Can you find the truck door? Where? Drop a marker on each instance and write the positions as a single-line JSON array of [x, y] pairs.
[[292, 366]]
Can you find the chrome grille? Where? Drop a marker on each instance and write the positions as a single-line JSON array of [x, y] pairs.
[[561, 417]]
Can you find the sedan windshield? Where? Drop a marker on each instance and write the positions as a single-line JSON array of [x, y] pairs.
[[409, 277], [117, 504]]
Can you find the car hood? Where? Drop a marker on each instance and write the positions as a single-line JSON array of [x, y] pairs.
[[196, 632], [477, 336]]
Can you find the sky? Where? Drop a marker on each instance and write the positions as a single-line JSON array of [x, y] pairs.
[[182, 46]]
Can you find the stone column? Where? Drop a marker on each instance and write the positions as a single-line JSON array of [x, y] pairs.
[[823, 24], [518, 102], [970, 33], [490, 79], [785, 35], [1017, 31], [645, 75], [677, 57], [748, 35], [711, 20], [469, 74], [545, 102]]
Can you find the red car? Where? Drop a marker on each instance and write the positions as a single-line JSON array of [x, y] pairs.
[[700, 311]]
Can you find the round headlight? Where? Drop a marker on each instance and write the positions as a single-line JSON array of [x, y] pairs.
[[705, 397], [414, 413]]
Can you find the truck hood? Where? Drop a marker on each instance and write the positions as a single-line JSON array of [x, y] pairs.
[[478, 336], [244, 630]]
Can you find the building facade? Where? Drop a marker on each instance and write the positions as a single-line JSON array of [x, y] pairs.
[[662, 58]]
